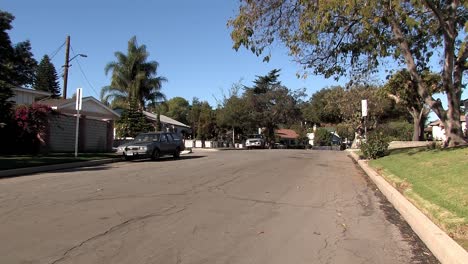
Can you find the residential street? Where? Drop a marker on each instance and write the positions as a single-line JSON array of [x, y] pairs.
[[258, 206]]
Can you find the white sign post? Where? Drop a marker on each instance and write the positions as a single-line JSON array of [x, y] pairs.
[[364, 115], [78, 105]]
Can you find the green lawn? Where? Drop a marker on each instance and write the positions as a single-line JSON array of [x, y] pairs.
[[22, 161], [436, 181]]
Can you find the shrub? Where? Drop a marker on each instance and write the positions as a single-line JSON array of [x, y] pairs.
[[375, 146], [396, 130], [345, 130], [322, 137], [31, 124]]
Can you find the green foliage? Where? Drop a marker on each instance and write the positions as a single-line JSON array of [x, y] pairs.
[[132, 122], [345, 130], [338, 38], [17, 67], [375, 146], [178, 108], [339, 105], [322, 107], [396, 130], [271, 104], [46, 78], [322, 137], [404, 91], [133, 78]]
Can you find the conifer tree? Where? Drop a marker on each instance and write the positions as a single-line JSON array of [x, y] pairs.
[[46, 77]]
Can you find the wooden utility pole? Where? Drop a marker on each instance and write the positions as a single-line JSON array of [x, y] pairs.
[[65, 70]]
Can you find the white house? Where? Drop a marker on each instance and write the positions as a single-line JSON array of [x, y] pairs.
[[169, 124], [438, 130]]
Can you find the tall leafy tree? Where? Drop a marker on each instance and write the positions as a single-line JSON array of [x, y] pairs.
[[271, 103], [322, 108], [178, 108], [337, 38], [17, 66], [134, 78], [401, 88], [46, 77]]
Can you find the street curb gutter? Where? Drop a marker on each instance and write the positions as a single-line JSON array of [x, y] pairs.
[[441, 245], [61, 166]]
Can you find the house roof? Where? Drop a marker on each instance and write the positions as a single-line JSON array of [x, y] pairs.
[[438, 122], [164, 119], [286, 133], [91, 107], [31, 91]]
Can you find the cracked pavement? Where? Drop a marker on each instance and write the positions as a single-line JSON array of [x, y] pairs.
[[259, 206]]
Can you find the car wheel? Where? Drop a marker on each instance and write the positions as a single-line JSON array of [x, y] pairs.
[[155, 155], [177, 153]]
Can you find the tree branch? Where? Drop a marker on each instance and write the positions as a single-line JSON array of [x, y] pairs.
[[411, 65]]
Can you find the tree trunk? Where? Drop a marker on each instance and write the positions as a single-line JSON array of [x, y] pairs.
[[453, 128], [452, 84], [416, 128]]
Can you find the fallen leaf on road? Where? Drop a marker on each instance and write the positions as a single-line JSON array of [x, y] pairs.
[[261, 232]]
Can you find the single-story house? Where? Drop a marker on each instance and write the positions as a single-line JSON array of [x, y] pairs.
[[438, 131], [96, 125], [287, 137], [169, 124]]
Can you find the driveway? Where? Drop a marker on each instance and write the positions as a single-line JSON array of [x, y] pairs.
[[259, 206]]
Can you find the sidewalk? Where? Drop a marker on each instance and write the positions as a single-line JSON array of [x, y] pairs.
[[63, 166], [441, 245]]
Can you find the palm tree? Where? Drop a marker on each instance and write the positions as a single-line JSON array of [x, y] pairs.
[[133, 78]]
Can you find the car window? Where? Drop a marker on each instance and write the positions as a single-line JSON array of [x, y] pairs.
[[169, 137], [176, 137], [142, 138], [163, 138]]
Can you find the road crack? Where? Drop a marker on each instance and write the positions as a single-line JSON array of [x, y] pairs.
[[117, 227]]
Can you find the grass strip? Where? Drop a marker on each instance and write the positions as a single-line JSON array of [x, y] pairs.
[[435, 181], [23, 161]]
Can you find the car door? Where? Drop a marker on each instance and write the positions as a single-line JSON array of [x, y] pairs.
[[172, 144], [164, 144]]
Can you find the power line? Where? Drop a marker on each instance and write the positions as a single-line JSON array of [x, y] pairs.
[[84, 75], [52, 55]]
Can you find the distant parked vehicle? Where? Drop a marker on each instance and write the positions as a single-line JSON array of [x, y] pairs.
[[152, 145], [255, 141]]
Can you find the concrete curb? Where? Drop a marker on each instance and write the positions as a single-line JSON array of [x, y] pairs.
[[441, 245], [62, 166], [54, 167]]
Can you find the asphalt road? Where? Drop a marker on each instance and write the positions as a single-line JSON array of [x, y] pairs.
[[260, 206]]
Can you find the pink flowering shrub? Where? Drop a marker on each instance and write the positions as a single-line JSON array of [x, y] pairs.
[[32, 122]]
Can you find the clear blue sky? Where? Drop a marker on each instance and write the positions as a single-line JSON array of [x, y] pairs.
[[189, 39]]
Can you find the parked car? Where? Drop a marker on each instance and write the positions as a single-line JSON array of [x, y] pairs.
[[255, 141], [152, 145]]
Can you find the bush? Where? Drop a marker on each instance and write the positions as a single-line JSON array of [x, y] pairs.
[[345, 131], [375, 146], [322, 137], [396, 130], [31, 126]]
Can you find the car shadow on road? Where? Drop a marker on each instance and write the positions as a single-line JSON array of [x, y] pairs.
[[168, 159]]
